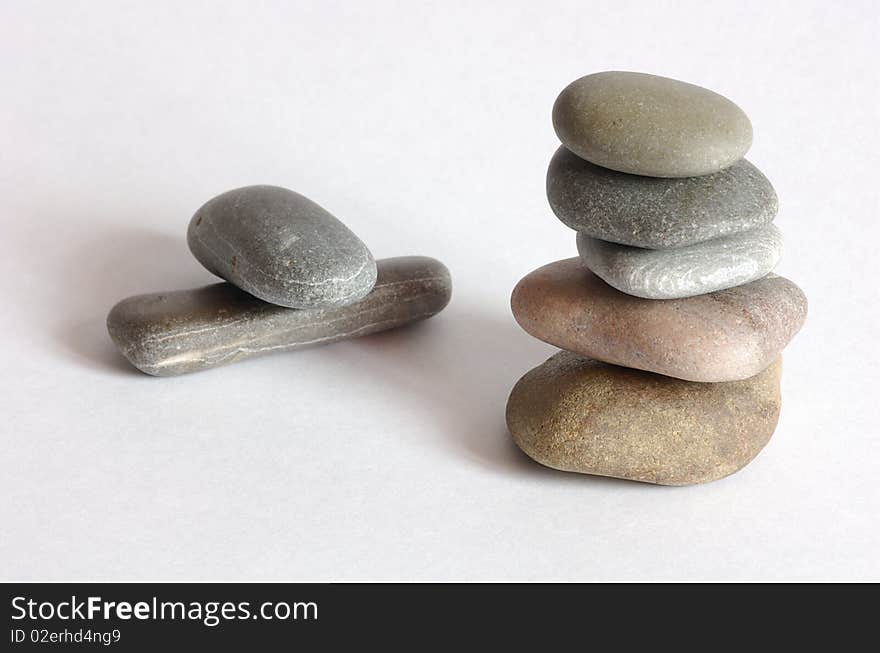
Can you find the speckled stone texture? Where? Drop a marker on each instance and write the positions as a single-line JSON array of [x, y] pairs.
[[281, 247], [650, 125], [657, 213], [686, 271], [164, 334], [579, 415], [727, 335]]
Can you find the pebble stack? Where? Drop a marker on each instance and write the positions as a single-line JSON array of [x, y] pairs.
[[295, 277], [671, 320]]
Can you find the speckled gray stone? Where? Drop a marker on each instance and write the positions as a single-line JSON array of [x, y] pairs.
[[164, 334], [685, 271], [657, 213], [650, 125], [281, 247]]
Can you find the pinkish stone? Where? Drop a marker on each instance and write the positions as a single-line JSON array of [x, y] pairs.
[[728, 335]]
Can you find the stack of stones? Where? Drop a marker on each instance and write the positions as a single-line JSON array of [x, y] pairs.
[[671, 320], [295, 276]]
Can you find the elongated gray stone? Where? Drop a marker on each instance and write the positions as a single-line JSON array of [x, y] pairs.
[[686, 271], [281, 247], [171, 333], [650, 125], [657, 213]]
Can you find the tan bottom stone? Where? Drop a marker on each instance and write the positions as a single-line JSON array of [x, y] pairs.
[[580, 415]]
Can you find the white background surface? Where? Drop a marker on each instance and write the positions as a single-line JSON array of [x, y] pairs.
[[426, 128]]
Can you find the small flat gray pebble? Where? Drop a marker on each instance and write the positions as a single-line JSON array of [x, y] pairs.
[[657, 213], [281, 247], [686, 271], [650, 125], [171, 333]]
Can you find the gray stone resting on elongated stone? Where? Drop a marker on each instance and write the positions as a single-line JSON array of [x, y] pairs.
[[171, 333], [281, 247], [685, 271]]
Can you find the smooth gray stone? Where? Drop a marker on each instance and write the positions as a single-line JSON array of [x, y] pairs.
[[650, 125], [687, 271], [657, 213], [170, 333], [281, 247]]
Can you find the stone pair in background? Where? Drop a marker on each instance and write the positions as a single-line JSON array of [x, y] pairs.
[[673, 281], [296, 276]]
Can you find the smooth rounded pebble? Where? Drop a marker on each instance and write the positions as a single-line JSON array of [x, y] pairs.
[[579, 415], [281, 247], [657, 213], [170, 333], [727, 335], [687, 271], [649, 125]]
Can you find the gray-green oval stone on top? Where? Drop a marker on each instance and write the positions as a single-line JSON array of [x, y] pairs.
[[281, 247], [650, 125], [685, 271], [657, 213]]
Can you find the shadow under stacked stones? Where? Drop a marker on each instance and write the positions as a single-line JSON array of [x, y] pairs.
[[296, 277], [673, 281]]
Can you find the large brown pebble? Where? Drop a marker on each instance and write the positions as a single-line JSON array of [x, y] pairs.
[[727, 335], [579, 415]]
